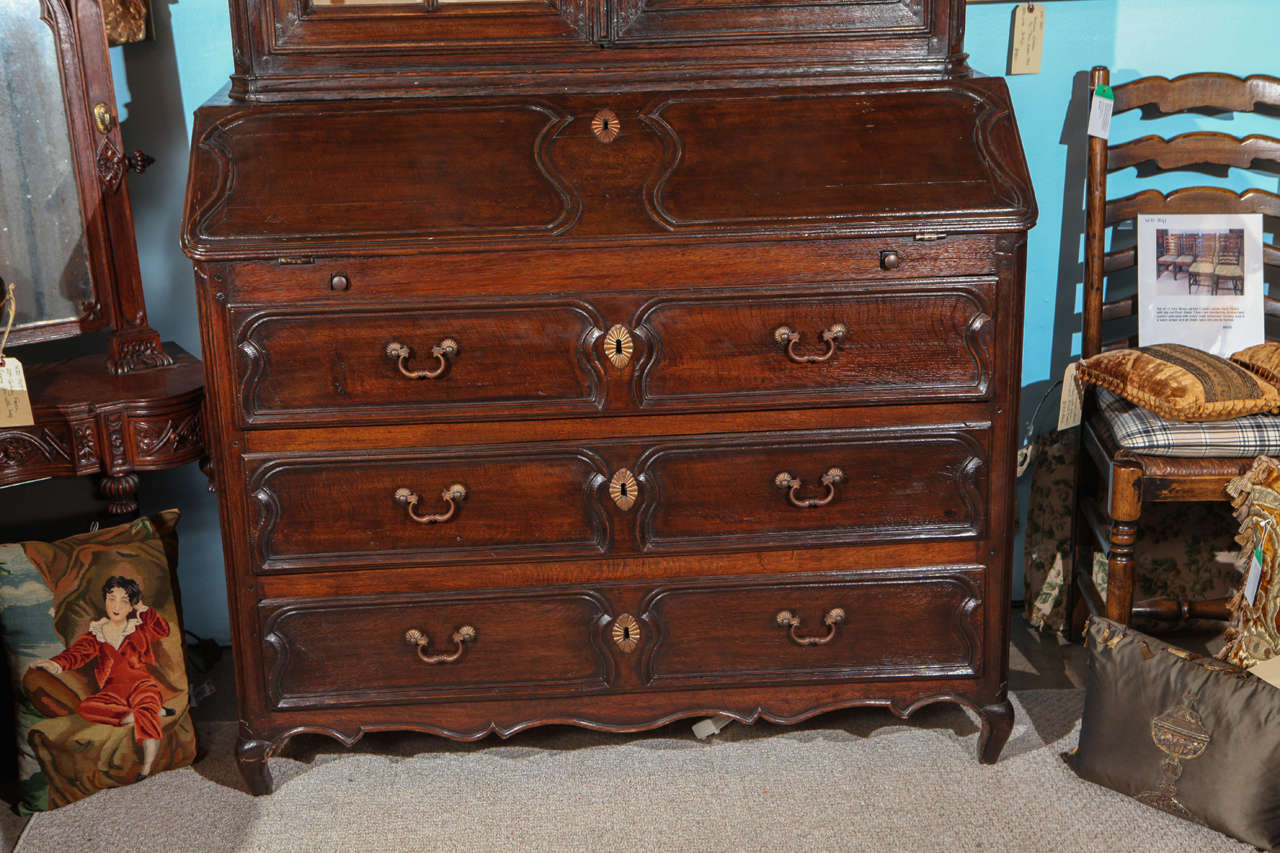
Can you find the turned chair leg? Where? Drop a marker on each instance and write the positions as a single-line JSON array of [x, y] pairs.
[[1126, 508]]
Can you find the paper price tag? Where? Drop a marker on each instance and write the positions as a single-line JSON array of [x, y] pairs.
[[1027, 45], [1104, 101], [15, 403], [1072, 400], [1268, 671], [1255, 576]]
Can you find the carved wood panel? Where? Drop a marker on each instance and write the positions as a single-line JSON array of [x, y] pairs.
[[922, 623], [858, 343], [332, 652], [342, 510], [893, 484], [507, 358]]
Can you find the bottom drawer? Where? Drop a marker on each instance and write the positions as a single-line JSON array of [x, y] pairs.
[[912, 623], [860, 626], [342, 651]]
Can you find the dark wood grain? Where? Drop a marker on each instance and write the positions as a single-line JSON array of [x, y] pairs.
[[821, 166], [530, 643], [935, 615], [289, 48]]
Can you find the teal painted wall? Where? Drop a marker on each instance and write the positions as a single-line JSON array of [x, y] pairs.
[[161, 83]]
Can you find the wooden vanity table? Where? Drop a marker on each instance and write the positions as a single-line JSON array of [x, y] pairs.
[[606, 362], [120, 402]]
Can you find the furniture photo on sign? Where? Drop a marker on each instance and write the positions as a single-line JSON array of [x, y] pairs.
[[1130, 456], [69, 254], [659, 363]]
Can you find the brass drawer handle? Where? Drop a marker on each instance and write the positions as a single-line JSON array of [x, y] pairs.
[[788, 337], [452, 496], [784, 480], [414, 637], [832, 619], [443, 351]]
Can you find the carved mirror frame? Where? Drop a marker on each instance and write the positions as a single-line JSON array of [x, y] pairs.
[[100, 164]]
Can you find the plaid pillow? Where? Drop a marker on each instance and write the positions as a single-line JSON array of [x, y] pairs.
[[1143, 431]]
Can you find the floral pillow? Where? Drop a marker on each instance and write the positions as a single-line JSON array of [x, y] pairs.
[[92, 632]]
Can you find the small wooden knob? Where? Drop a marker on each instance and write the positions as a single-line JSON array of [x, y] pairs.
[[339, 282], [890, 260]]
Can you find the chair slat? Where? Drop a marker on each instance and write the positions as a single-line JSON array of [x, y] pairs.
[[1193, 200], [1201, 147], [1270, 306], [1117, 308], [1120, 343], [1198, 92], [1120, 259]]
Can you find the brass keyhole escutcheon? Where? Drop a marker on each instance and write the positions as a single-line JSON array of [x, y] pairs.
[[618, 346], [626, 632], [606, 126], [624, 489]]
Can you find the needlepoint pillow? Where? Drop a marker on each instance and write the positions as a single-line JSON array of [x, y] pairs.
[[94, 641], [1181, 383]]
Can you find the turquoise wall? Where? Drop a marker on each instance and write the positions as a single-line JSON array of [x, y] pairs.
[[161, 83]]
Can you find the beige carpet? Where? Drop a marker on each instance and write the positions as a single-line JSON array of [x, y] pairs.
[[855, 780]]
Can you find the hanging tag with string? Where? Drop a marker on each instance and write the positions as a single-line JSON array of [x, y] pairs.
[[15, 402]]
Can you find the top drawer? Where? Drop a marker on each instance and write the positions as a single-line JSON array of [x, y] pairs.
[[757, 348]]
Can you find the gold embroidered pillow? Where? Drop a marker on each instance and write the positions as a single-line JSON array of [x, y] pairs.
[[1186, 734], [95, 652], [1262, 360], [1180, 383]]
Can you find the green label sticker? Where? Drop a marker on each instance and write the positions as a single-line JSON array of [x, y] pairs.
[[1104, 91]]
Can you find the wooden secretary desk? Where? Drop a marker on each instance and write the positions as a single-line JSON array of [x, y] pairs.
[[609, 362]]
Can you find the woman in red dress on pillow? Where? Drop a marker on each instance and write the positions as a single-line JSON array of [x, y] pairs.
[[127, 692]]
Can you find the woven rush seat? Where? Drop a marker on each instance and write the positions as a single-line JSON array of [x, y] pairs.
[[1140, 431]]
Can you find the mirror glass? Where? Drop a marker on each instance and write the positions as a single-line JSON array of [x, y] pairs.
[[42, 240]]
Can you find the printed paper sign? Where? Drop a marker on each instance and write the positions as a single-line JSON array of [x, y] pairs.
[[1200, 281]]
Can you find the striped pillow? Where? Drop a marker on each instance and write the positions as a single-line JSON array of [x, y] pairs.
[[1180, 383]]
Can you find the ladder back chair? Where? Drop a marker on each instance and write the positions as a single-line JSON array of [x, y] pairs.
[[1118, 475]]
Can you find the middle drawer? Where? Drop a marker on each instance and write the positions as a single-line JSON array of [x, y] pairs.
[[366, 509]]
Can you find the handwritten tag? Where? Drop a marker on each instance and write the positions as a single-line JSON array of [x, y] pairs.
[[1072, 400], [1104, 101], [15, 403], [1027, 44]]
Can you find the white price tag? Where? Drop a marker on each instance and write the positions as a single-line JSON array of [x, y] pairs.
[[15, 403], [1255, 576], [1100, 112], [1268, 671], [1072, 400]]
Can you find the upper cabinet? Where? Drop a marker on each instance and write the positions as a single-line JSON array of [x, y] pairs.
[[286, 49]]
